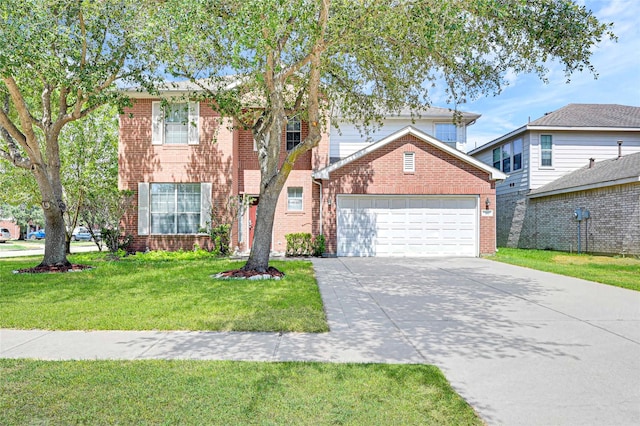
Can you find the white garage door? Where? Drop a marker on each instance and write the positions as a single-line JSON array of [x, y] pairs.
[[420, 226]]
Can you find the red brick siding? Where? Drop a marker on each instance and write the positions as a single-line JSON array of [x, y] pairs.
[[436, 173], [140, 161], [285, 222]]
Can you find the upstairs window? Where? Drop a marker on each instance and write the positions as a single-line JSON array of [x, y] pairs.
[[294, 199], [508, 157], [546, 151], [176, 117], [294, 133], [447, 132], [517, 154], [497, 158], [175, 123]]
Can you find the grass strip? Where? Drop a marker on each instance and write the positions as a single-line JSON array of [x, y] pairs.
[[159, 292], [616, 271], [223, 393]]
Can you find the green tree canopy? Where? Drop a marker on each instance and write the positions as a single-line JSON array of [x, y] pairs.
[[362, 58], [59, 62]]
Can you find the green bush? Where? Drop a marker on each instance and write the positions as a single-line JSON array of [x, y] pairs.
[[319, 245], [115, 241], [303, 244], [221, 239]]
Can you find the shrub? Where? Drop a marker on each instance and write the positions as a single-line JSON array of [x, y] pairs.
[[303, 244], [319, 245], [221, 239], [115, 241]]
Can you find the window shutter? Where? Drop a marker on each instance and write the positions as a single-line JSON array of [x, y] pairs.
[[157, 123], [194, 123], [409, 162], [205, 204], [143, 208]]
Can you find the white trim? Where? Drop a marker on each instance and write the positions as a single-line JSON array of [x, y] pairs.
[[144, 208], [586, 187], [410, 130], [206, 204], [157, 123]]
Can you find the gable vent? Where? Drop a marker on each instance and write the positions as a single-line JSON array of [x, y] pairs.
[[409, 163]]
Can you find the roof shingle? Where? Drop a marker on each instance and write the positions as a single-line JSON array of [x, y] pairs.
[[591, 115]]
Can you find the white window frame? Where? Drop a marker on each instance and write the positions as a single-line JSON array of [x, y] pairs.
[[450, 127], [158, 123], [294, 198], [409, 162], [549, 150], [144, 207], [176, 213]]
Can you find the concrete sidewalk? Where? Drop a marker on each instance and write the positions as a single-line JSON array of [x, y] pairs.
[[40, 251], [523, 347]]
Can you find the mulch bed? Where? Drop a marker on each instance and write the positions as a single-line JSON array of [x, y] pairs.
[[239, 273], [53, 269]]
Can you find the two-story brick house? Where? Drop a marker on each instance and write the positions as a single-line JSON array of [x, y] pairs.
[[400, 192], [536, 203]]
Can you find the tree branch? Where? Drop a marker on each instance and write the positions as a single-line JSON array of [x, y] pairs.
[[26, 119], [317, 48], [83, 31]]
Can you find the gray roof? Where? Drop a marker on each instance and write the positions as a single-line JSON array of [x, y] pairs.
[[598, 117], [603, 173], [591, 115]]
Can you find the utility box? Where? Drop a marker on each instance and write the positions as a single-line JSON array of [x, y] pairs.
[[577, 214], [586, 214]]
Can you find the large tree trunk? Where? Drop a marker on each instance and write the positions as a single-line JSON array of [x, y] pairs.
[[263, 231], [268, 133], [55, 247], [48, 179]]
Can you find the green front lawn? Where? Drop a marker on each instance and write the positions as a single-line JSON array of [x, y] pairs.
[[226, 393], [616, 271], [159, 291]]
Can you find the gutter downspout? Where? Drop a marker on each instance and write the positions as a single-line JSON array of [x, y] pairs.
[[320, 212]]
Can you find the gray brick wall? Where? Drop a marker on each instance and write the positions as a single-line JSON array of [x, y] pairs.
[[547, 222]]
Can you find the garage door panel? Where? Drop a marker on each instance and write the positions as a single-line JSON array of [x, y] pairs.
[[407, 226]]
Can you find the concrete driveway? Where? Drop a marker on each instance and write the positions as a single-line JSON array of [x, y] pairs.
[[521, 346]]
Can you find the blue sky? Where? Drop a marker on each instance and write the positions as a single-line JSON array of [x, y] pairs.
[[618, 66]]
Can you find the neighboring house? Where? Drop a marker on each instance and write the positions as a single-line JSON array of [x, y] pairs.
[[536, 156], [608, 190], [408, 194], [13, 228]]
